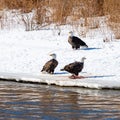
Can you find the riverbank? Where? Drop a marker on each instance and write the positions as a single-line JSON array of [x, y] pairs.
[[26, 52]]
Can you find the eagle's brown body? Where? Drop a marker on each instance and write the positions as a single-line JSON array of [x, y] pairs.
[[50, 66], [74, 68], [76, 42]]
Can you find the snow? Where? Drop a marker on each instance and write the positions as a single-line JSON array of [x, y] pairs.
[[23, 54]]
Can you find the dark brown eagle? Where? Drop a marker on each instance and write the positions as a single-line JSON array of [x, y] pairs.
[[50, 66], [76, 42], [74, 68]]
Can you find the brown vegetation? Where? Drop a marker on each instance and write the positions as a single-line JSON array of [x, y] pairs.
[[68, 11], [60, 9], [112, 8]]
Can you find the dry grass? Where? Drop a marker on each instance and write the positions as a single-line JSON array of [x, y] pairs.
[[115, 27], [61, 9], [112, 8], [69, 11]]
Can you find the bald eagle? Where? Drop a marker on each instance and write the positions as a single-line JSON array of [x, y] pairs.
[[50, 66], [75, 41], [74, 68]]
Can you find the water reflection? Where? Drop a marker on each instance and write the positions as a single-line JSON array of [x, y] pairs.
[[33, 101]]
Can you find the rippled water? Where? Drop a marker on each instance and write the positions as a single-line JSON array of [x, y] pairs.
[[19, 101]]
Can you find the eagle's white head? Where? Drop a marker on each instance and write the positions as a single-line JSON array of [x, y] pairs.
[[71, 33], [53, 55], [82, 59]]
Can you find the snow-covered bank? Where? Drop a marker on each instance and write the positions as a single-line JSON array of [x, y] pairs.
[[26, 52], [94, 82]]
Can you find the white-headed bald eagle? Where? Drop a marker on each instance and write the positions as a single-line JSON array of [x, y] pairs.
[[74, 68], [75, 41], [50, 66]]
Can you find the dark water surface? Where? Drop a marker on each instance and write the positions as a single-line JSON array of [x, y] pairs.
[[20, 101]]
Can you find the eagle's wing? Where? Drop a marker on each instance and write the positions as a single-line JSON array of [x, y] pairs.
[[50, 64]]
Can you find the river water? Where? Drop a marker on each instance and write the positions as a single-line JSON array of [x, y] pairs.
[[22, 101]]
